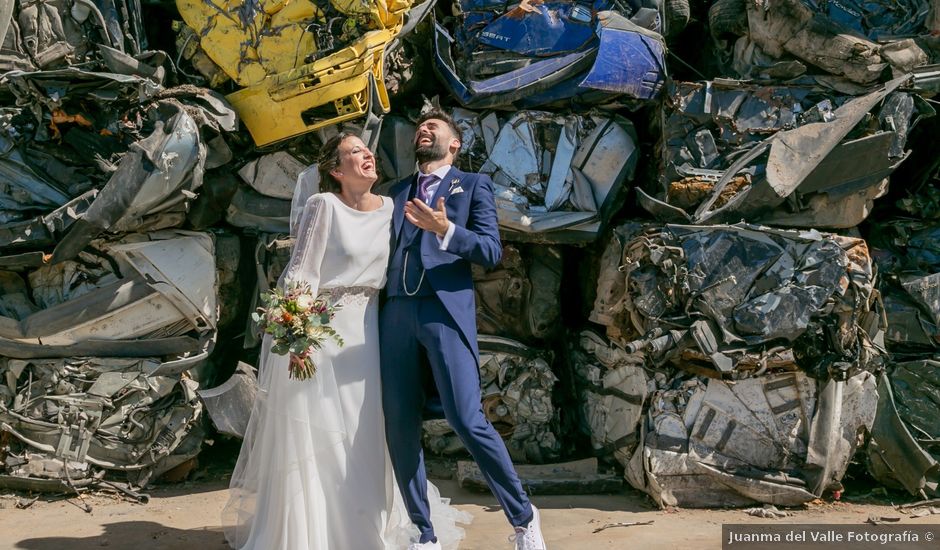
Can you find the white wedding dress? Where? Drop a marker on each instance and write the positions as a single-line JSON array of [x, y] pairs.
[[314, 472]]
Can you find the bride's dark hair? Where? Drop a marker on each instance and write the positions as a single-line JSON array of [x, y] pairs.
[[328, 160]]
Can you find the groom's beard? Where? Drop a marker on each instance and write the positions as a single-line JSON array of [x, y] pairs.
[[430, 153]]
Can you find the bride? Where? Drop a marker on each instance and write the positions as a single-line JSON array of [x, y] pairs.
[[313, 472]]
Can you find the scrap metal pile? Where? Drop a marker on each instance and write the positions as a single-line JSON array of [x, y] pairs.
[[794, 155], [720, 269], [904, 450], [109, 309], [765, 343]]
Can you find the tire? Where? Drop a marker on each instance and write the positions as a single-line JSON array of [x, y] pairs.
[[676, 14], [727, 18]]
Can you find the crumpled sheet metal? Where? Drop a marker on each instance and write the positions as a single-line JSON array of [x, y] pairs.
[[59, 89], [741, 299], [273, 175], [907, 254], [98, 156], [71, 419], [230, 288], [142, 295], [22, 190], [104, 314], [517, 385], [251, 210], [521, 297], [903, 450], [913, 312], [229, 404], [781, 439], [153, 180], [301, 65], [609, 309], [550, 53], [558, 178], [251, 41], [38, 176], [395, 151], [794, 155], [793, 27], [613, 390], [51, 34]]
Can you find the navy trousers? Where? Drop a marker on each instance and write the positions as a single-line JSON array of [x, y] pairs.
[[422, 346]]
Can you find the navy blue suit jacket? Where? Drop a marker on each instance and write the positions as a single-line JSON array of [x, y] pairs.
[[472, 209]]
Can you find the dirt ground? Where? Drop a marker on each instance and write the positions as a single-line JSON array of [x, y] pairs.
[[186, 517]]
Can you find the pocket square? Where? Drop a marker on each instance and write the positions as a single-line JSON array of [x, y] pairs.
[[455, 187]]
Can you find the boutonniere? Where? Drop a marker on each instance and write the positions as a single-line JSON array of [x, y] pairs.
[[455, 187]]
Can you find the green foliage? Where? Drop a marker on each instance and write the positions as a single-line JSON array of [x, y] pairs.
[[298, 323]]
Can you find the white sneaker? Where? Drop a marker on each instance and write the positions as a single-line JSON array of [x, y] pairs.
[[530, 538], [425, 546]]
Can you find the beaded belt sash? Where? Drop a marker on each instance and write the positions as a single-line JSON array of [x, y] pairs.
[[349, 293]]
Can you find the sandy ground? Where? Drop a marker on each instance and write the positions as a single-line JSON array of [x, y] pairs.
[[186, 516]]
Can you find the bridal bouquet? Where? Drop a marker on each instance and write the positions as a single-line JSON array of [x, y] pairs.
[[299, 323]]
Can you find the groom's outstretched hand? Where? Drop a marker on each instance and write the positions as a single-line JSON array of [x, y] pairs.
[[427, 218]]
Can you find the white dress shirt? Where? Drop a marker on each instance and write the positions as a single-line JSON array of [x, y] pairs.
[[432, 189]]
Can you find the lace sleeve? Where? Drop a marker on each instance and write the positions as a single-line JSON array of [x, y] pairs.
[[312, 238]]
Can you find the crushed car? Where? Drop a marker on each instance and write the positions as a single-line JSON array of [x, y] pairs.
[[720, 331], [903, 452], [689, 440], [521, 297], [538, 53], [299, 65], [613, 387], [517, 384], [908, 258], [97, 355], [558, 178], [846, 44], [788, 155], [71, 421], [142, 295], [740, 299], [781, 439]]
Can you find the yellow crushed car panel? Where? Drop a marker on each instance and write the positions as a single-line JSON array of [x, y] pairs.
[[339, 83], [251, 45], [271, 51]]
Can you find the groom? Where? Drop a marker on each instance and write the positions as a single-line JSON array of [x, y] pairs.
[[444, 219]]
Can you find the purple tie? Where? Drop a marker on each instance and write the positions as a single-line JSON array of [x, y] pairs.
[[425, 181]]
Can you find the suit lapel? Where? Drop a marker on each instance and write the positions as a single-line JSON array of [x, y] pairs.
[[443, 190]]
